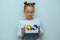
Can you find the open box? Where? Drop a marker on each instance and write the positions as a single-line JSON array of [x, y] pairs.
[[31, 30]]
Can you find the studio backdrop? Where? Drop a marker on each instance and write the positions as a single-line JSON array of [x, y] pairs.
[[11, 11]]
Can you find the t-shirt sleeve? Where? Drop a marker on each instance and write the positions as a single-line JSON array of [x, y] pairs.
[[19, 33]]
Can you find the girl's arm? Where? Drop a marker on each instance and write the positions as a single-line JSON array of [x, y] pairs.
[[19, 34]]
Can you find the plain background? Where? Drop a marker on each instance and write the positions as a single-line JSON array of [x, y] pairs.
[[47, 10]]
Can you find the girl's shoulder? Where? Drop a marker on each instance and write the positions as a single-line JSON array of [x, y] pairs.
[[23, 20], [37, 19]]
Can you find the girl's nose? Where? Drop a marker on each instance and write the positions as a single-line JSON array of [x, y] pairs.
[[29, 13]]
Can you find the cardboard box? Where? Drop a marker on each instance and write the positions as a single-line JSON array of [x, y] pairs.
[[31, 30]]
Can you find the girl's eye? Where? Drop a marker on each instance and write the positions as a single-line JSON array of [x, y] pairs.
[[31, 12], [27, 12]]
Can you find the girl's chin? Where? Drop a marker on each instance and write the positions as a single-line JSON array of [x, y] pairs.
[[29, 17]]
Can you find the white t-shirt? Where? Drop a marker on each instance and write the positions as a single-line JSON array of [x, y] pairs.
[[22, 23]]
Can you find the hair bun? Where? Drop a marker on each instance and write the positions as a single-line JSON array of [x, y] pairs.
[[33, 3], [25, 2]]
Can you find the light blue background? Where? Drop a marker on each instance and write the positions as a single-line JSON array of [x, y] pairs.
[[47, 10]]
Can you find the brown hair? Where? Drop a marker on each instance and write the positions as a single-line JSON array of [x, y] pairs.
[[28, 4]]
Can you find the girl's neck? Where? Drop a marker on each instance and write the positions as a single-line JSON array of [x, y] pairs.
[[29, 18]]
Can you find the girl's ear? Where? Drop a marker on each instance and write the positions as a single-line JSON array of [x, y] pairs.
[[25, 2]]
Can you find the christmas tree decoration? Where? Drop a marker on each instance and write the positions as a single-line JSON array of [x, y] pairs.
[[29, 27], [35, 27]]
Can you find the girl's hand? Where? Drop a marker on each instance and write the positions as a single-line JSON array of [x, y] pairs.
[[23, 31], [39, 29]]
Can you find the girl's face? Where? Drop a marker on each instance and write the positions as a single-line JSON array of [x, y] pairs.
[[29, 12]]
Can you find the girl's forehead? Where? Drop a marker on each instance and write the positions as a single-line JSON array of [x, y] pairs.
[[29, 8]]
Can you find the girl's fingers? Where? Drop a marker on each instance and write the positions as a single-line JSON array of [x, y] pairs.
[[39, 30], [23, 31]]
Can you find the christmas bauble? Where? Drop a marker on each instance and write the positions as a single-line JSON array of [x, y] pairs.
[[29, 27], [35, 27]]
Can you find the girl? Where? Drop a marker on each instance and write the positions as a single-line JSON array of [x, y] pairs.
[[29, 10]]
